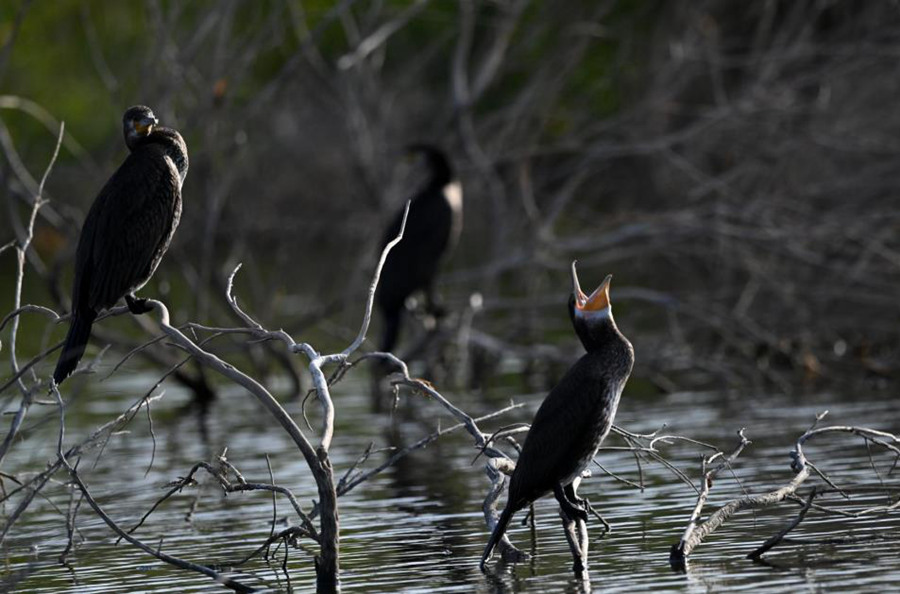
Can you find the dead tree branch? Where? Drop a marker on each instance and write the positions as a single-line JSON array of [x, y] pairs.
[[73, 474], [696, 531], [21, 252]]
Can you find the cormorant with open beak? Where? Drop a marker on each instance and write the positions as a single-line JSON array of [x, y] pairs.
[[432, 228], [575, 417], [127, 230]]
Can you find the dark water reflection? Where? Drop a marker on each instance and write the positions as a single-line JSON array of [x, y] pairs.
[[418, 526]]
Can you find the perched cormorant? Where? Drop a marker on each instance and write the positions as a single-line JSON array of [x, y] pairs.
[[127, 230], [575, 416], [433, 226]]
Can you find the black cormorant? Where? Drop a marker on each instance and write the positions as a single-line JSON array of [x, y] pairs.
[[432, 227], [575, 416], [127, 230]]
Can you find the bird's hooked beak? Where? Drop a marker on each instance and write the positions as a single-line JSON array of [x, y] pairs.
[[596, 301], [143, 126]]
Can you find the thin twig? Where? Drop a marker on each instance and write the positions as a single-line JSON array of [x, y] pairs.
[[776, 539]]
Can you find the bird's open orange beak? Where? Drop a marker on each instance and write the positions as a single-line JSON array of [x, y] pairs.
[[597, 300]]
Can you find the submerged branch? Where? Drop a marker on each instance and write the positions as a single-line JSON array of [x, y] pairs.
[[696, 531]]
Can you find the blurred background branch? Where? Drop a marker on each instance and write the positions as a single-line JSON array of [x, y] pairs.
[[731, 163], [709, 152]]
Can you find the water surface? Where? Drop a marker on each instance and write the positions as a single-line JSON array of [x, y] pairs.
[[418, 526]]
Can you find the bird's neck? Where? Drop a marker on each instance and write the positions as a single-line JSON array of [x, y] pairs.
[[441, 172], [611, 353], [172, 144], [598, 331]]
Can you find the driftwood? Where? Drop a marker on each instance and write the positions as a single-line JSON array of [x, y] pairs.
[[698, 530], [327, 533]]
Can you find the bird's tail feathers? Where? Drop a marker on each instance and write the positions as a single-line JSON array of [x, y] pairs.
[[392, 322], [76, 341], [497, 534]]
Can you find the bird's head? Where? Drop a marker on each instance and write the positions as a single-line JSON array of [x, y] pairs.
[[591, 314], [433, 159], [421, 149], [138, 122]]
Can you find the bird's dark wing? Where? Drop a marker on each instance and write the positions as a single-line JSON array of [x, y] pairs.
[[413, 262], [562, 431], [428, 224], [126, 229]]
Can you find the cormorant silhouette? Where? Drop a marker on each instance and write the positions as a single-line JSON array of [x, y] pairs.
[[127, 230], [575, 417], [432, 228]]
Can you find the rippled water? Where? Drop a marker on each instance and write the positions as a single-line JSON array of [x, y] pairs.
[[418, 526]]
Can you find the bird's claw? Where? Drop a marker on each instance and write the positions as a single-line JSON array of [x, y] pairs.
[[571, 505], [586, 505], [581, 514], [582, 508], [137, 306], [577, 509]]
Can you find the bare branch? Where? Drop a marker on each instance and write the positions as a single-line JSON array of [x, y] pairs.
[[21, 251], [373, 286], [696, 531], [180, 563], [773, 542]]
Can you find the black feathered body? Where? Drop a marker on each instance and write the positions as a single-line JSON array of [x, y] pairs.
[[126, 232], [432, 229], [573, 420], [413, 263], [571, 423]]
